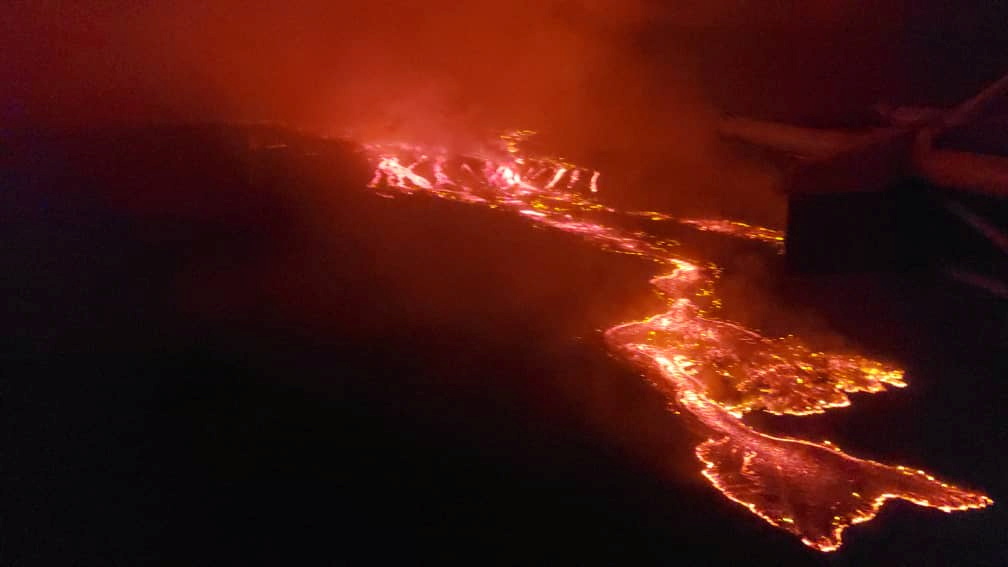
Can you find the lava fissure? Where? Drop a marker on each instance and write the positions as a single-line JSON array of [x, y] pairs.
[[715, 370]]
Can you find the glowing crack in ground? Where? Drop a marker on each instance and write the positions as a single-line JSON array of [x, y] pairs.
[[713, 370]]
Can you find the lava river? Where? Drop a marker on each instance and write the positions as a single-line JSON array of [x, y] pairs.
[[712, 370]]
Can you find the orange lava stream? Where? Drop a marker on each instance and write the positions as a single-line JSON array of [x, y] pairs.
[[734, 228], [738, 229], [714, 370]]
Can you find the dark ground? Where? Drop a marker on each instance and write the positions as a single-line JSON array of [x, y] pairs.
[[217, 358]]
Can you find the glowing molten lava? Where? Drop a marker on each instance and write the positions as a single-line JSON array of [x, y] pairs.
[[713, 370]]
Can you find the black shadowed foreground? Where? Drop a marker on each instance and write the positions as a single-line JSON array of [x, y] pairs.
[[221, 348]]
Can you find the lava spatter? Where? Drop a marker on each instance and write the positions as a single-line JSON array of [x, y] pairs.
[[715, 371]]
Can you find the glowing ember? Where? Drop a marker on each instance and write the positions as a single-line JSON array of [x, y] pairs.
[[714, 370]]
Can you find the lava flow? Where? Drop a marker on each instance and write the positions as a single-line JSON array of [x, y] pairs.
[[713, 370]]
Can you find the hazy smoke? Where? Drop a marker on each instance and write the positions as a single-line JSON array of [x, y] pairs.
[[627, 85], [376, 65]]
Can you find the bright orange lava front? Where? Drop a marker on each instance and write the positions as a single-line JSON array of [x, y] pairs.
[[714, 370]]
